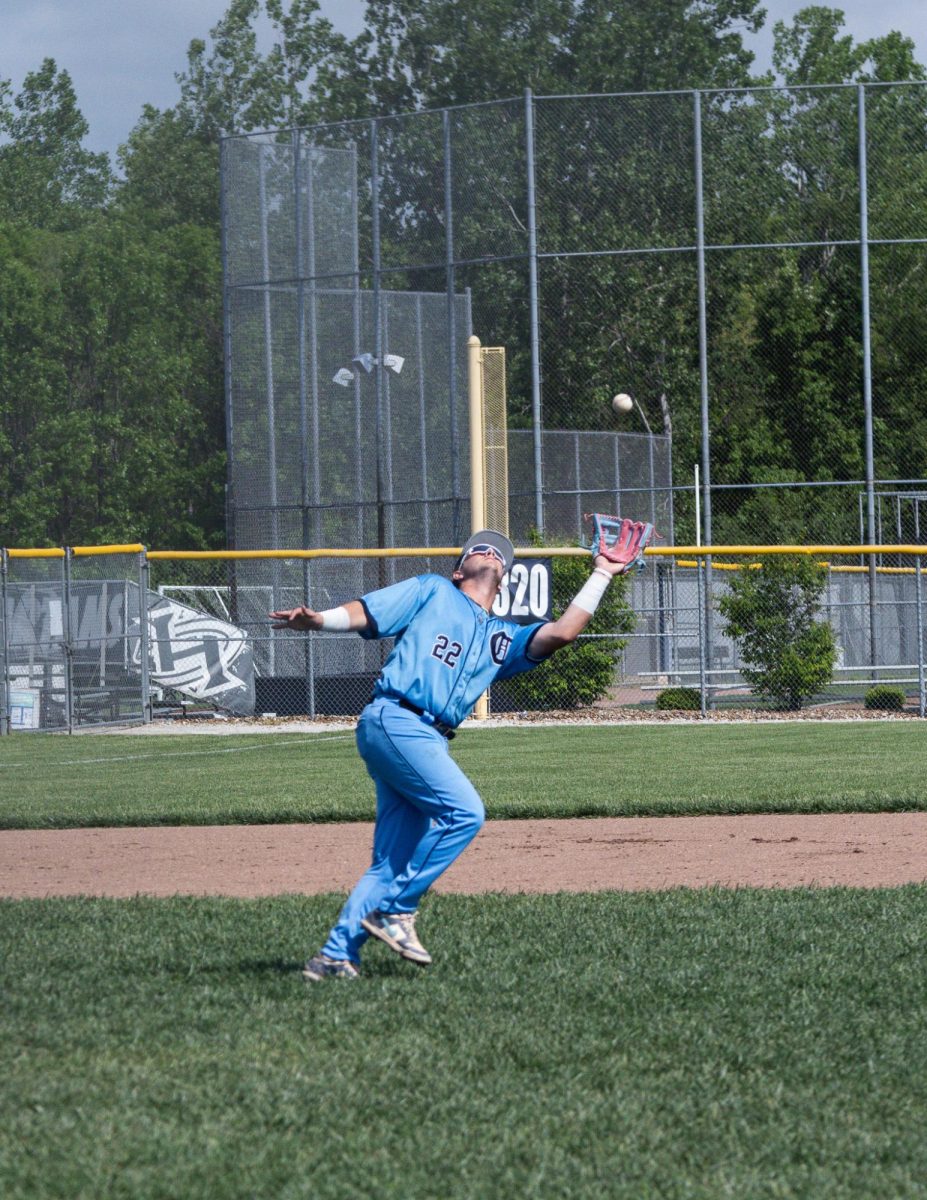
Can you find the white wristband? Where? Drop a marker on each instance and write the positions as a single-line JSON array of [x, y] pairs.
[[335, 620], [592, 591]]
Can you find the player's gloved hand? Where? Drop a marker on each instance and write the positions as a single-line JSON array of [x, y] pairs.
[[613, 568], [618, 544]]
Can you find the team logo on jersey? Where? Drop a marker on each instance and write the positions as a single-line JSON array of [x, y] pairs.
[[499, 647]]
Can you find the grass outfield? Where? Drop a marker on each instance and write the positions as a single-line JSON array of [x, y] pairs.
[[662, 1045], [634, 770]]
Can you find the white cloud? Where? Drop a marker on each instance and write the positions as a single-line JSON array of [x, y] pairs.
[[120, 54], [863, 20]]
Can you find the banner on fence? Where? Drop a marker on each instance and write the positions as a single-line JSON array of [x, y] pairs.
[[198, 654]]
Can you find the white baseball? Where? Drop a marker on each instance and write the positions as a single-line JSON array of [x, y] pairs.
[[622, 402]]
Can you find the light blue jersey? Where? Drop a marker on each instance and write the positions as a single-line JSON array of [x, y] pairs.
[[448, 651], [448, 648]]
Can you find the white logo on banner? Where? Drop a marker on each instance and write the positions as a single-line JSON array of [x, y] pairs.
[[200, 655]]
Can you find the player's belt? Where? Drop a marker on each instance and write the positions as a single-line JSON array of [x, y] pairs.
[[441, 726]]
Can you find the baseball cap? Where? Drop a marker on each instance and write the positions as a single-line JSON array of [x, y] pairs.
[[490, 537]]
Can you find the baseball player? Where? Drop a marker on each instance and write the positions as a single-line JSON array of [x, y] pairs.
[[449, 647]]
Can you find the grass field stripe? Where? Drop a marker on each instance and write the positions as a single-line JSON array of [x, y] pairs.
[[542, 773], [76, 762]]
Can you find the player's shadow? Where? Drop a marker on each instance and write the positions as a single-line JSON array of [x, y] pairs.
[[377, 967], [270, 966]]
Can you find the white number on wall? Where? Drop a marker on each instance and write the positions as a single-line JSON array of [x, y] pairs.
[[525, 594]]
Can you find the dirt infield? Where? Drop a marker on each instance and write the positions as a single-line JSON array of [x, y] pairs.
[[589, 854], [577, 855]]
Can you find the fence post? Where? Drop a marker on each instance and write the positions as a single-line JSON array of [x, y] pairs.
[[450, 285], [663, 646], [231, 533], [700, 600], [376, 302], [921, 698], [144, 582], [702, 314], [301, 340], [4, 622], [227, 338], [705, 643], [316, 429], [534, 308], [356, 350], [310, 646], [269, 382], [867, 365], [68, 650], [309, 538], [422, 421]]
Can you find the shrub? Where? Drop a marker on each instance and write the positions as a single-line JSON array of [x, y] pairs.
[[891, 699], [787, 654], [675, 698], [582, 673]]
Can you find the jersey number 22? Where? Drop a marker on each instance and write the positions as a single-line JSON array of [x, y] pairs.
[[446, 651]]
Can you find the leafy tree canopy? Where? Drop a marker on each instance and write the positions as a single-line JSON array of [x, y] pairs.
[[47, 179], [110, 304]]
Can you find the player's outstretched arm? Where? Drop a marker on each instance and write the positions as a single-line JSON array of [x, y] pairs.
[[567, 628], [349, 617]]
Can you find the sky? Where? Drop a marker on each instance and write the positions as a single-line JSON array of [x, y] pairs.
[[123, 54]]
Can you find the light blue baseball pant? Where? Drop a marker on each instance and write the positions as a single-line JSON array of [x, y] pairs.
[[428, 812]]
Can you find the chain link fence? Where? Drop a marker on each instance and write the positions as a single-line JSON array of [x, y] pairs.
[[748, 264], [104, 636], [72, 638], [686, 635]]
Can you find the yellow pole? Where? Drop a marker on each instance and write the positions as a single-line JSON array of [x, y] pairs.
[[477, 481], [477, 476]]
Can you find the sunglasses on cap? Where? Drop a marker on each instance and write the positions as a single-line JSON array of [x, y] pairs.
[[485, 548]]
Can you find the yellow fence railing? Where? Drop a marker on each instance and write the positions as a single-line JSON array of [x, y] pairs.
[[684, 555]]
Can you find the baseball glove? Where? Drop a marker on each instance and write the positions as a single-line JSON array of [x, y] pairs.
[[620, 540]]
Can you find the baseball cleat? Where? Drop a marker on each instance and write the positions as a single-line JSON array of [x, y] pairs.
[[320, 966], [397, 930]]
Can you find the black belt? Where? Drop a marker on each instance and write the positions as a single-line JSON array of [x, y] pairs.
[[441, 726]]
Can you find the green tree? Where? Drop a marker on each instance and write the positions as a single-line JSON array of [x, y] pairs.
[[427, 53], [105, 334], [785, 327], [787, 654], [170, 173], [107, 386], [35, 431], [230, 87], [47, 179]]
